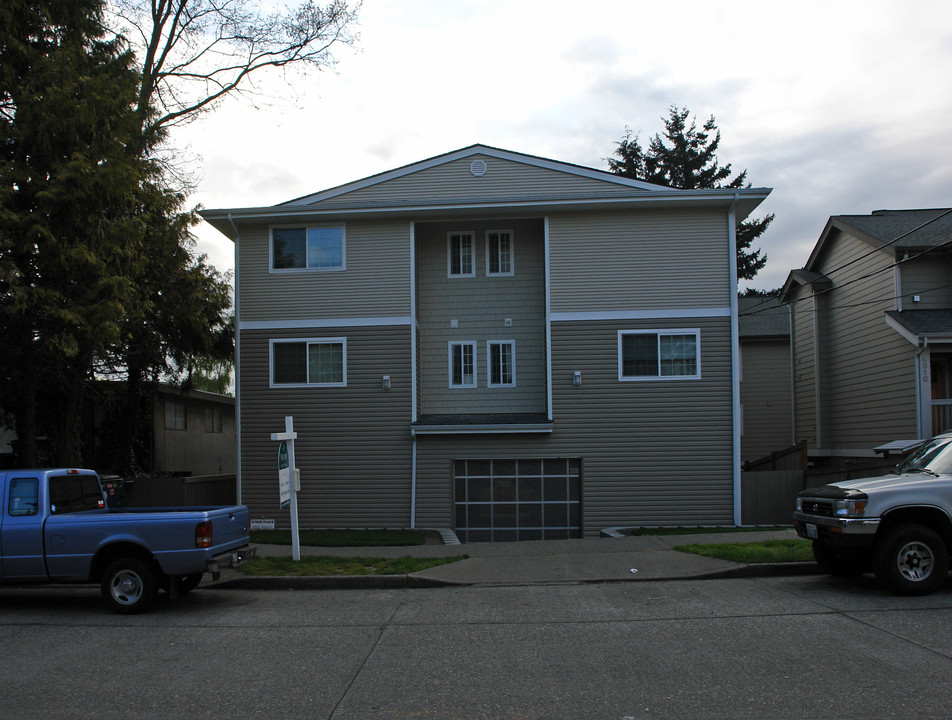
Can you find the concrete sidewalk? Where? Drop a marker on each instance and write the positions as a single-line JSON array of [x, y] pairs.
[[546, 562]]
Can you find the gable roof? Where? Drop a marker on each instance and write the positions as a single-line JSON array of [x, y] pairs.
[[891, 231], [480, 179]]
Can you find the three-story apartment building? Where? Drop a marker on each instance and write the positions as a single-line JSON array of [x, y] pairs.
[[510, 346]]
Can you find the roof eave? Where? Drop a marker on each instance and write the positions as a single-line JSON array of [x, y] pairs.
[[225, 220]]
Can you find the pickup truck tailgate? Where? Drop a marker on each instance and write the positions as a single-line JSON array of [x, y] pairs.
[[229, 527]]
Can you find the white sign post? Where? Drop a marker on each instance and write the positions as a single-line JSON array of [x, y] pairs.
[[287, 480]]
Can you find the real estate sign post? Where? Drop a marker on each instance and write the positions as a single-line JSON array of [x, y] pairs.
[[287, 480]]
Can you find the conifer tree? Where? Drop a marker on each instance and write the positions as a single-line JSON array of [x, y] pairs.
[[686, 158]]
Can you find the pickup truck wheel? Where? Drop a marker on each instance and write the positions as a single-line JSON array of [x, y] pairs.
[[912, 560], [840, 562], [129, 586]]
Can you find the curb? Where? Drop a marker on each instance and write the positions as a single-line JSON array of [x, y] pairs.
[[396, 582]]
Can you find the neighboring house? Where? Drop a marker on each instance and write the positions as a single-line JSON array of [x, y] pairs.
[[766, 392], [192, 433], [872, 332], [510, 346]]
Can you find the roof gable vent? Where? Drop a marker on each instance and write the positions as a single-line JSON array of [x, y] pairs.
[[478, 168]]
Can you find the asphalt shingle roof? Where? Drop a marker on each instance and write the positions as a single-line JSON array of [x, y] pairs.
[[904, 228], [762, 317]]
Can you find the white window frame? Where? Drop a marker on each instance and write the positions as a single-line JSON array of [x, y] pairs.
[[471, 344], [307, 229], [512, 254], [489, 363], [696, 332], [214, 419], [342, 341], [451, 238]]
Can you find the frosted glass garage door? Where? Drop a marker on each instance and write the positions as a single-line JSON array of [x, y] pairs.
[[507, 500]]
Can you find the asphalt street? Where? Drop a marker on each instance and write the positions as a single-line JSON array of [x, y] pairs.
[[774, 647]]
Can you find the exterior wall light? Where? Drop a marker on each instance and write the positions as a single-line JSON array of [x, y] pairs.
[[577, 377], [385, 383]]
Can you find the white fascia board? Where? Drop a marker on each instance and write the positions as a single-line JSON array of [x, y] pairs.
[[220, 218], [905, 332]]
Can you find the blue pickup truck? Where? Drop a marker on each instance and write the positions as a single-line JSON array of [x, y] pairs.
[[55, 528]]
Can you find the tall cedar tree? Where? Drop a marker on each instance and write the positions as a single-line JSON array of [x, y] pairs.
[[686, 158], [93, 249]]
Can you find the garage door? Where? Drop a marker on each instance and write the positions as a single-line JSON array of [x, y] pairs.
[[506, 500]]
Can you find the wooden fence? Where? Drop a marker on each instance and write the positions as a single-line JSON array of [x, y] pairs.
[[195, 491]]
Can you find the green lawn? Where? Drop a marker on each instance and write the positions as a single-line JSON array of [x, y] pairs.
[[340, 538], [327, 565], [698, 530], [767, 551]]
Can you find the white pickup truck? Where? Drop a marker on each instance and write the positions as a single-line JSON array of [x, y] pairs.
[[899, 525]]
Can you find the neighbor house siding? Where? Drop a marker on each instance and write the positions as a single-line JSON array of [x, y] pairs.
[[353, 445], [927, 277], [765, 397], [504, 181], [653, 453], [803, 333], [651, 260], [871, 372], [377, 256]]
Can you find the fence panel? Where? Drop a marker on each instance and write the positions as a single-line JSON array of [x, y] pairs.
[[768, 497]]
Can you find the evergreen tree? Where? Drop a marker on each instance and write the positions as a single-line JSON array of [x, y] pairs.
[[686, 158]]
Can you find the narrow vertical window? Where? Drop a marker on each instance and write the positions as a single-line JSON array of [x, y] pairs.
[[502, 363], [460, 254], [499, 252], [462, 360]]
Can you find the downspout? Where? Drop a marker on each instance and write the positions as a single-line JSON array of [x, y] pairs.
[[793, 380], [735, 359], [237, 371], [413, 375]]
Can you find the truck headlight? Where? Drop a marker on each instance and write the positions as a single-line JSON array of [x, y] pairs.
[[799, 504], [849, 508]]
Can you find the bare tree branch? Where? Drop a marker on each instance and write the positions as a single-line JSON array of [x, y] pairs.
[[194, 53]]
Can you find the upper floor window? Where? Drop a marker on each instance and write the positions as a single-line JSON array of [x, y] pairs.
[[213, 420], [320, 362], [462, 364], [659, 354], [499, 252], [307, 248], [176, 417], [459, 254], [502, 363]]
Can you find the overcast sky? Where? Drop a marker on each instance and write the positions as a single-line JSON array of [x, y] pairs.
[[841, 107]]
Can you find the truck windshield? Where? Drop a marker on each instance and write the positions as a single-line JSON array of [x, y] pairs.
[[935, 456]]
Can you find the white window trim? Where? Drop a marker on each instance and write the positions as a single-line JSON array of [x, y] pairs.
[[656, 378], [489, 363], [512, 254], [307, 341], [472, 345], [449, 253], [281, 271]]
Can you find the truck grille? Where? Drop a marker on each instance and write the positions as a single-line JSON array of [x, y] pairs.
[[817, 506]]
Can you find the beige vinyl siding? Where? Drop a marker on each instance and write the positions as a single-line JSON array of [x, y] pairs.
[[353, 446], [453, 182], [804, 366], [871, 367], [927, 277], [765, 397], [653, 453], [480, 306], [377, 255], [639, 260]]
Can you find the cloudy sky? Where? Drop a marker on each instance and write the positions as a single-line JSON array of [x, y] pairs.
[[840, 106]]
